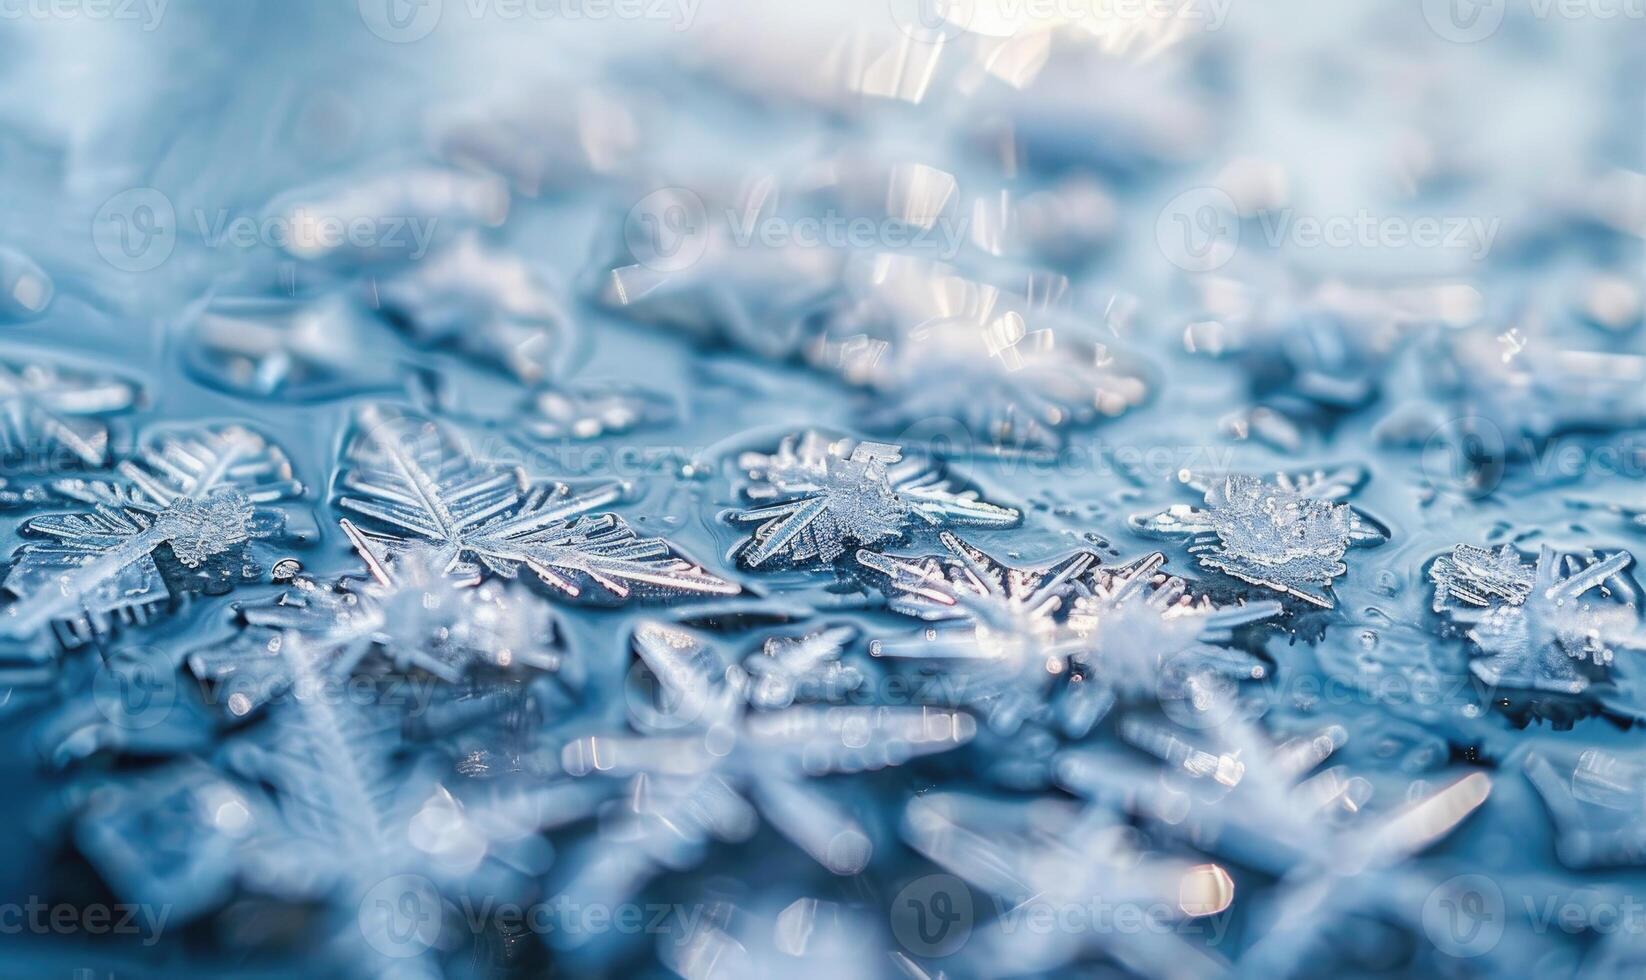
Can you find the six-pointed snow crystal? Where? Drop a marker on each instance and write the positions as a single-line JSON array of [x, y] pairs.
[[1289, 534], [176, 518], [412, 480], [831, 496]]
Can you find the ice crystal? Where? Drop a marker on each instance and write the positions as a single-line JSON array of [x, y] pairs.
[[286, 348], [195, 497], [56, 415], [1289, 535], [1474, 576], [710, 762], [490, 305], [1596, 806], [25, 288], [1123, 634], [407, 618], [831, 496], [1013, 370], [1555, 638], [593, 411], [1055, 855], [412, 480]]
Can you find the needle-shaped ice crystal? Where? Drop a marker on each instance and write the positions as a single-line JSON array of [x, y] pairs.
[[1596, 804], [1288, 535], [413, 480], [831, 496]]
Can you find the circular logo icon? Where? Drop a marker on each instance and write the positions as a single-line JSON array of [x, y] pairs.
[[933, 21], [1199, 229], [659, 707], [932, 916], [1195, 697], [1464, 916], [401, 21], [1466, 457], [400, 916], [135, 689], [135, 230], [668, 230], [1464, 21]]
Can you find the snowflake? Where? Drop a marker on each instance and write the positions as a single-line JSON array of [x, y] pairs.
[[1288, 535], [490, 305], [1596, 806], [1553, 639], [711, 766], [1479, 577], [407, 618], [1057, 856], [55, 415], [293, 349], [1010, 369], [179, 517], [413, 480], [832, 496], [317, 806], [1251, 800]]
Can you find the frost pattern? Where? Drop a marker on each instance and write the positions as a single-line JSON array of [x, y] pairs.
[[1474, 576], [201, 494], [1289, 535], [412, 480], [833, 496]]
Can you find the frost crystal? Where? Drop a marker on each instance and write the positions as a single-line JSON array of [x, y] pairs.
[[1128, 633], [1480, 577], [287, 348], [55, 415], [1289, 535], [407, 618], [587, 411], [1555, 639], [200, 495], [492, 306], [710, 763], [833, 496], [929, 344], [412, 480]]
